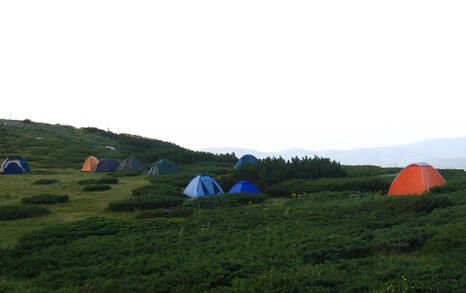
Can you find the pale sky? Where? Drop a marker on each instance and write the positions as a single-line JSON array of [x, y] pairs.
[[267, 75]]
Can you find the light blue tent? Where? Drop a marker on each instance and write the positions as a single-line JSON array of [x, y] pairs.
[[203, 185], [244, 187], [245, 159]]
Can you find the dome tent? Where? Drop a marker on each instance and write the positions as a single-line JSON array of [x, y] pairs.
[[106, 165], [14, 165], [416, 178], [163, 166], [89, 164], [132, 164], [244, 187], [202, 185], [245, 159]]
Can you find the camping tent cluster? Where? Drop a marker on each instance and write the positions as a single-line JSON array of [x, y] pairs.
[[92, 164], [416, 178], [204, 185]]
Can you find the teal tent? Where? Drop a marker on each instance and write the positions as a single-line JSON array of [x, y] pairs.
[[163, 166]]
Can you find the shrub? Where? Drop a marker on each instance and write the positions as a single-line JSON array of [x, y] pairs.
[[98, 187], [104, 180], [369, 170], [270, 171], [179, 212], [45, 199], [449, 238], [226, 200], [127, 173], [21, 212], [364, 184], [451, 186], [179, 180], [144, 203], [45, 181], [107, 180], [157, 189]]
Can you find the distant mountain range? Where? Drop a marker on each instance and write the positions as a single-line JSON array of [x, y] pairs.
[[440, 153]]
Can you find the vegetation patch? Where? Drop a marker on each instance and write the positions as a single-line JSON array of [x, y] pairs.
[[97, 187], [103, 180], [144, 203], [177, 212], [45, 181], [127, 173], [363, 184], [225, 200], [274, 170], [179, 180], [451, 186], [5, 196], [21, 212], [45, 199], [158, 189]]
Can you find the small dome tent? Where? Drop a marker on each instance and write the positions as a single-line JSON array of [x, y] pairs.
[[245, 159], [14, 165], [202, 185], [416, 178], [89, 164], [106, 165], [132, 164], [163, 166], [244, 187]]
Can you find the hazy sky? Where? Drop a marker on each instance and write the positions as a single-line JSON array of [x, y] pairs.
[[268, 75]]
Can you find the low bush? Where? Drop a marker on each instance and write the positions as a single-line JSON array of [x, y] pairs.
[[45, 199], [144, 203], [363, 184], [226, 200], [178, 180], [98, 187], [369, 170], [451, 186], [45, 181], [104, 180], [179, 212], [127, 173], [158, 189], [449, 238], [21, 212], [271, 171]]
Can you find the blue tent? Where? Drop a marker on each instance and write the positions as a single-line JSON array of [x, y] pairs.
[[245, 159], [203, 185], [14, 165], [106, 165], [244, 187]]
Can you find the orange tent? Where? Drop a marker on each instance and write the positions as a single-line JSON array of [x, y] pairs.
[[417, 178], [89, 164]]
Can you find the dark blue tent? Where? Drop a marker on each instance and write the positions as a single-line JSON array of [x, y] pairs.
[[245, 159], [203, 185], [132, 164], [106, 165], [14, 165], [244, 187]]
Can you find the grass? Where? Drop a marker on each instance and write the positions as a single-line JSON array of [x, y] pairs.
[[84, 204]]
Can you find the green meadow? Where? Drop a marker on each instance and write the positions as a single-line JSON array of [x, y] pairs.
[[317, 226]]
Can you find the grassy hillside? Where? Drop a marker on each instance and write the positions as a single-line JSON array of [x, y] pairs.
[[311, 242], [321, 227], [61, 146]]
